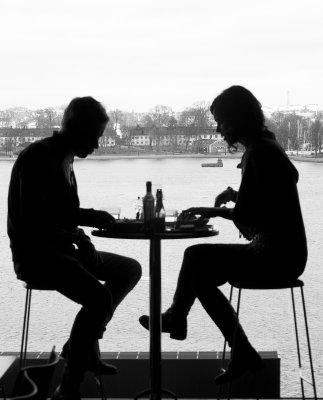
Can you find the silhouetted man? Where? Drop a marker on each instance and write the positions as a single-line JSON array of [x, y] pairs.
[[48, 247]]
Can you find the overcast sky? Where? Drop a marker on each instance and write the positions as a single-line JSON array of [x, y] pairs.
[[135, 54]]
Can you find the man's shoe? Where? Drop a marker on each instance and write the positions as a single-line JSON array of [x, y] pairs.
[[59, 395], [95, 364], [176, 327], [243, 362], [102, 368]]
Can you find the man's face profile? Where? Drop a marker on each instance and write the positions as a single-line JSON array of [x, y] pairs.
[[87, 139]]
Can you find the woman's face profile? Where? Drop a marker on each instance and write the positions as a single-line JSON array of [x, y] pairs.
[[226, 130]]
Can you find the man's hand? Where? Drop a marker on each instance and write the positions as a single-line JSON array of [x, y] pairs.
[[102, 219]]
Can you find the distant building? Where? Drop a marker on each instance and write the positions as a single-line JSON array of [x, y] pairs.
[[14, 139], [139, 137], [170, 137], [109, 138], [218, 146]]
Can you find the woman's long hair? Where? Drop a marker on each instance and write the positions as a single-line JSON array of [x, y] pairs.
[[239, 107]]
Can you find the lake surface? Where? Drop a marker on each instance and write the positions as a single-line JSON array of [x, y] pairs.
[[266, 316]]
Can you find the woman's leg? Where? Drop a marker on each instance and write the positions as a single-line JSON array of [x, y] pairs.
[[198, 259], [203, 264], [224, 262], [230, 262]]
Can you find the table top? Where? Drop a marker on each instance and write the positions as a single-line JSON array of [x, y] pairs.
[[206, 231]]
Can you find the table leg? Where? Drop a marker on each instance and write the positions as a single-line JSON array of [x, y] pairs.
[[155, 391], [155, 318]]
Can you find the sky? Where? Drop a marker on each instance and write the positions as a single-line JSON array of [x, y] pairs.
[[136, 54]]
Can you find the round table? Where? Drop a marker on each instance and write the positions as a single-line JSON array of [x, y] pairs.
[[155, 239]]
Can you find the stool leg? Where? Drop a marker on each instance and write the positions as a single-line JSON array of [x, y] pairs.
[[99, 376], [225, 342], [25, 329], [234, 342], [309, 344], [224, 348], [297, 344]]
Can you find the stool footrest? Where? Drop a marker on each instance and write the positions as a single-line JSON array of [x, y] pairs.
[[304, 378]]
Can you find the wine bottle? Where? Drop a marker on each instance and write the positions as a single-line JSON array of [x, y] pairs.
[[149, 207]]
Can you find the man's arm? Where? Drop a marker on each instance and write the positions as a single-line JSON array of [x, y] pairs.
[[95, 218], [41, 200]]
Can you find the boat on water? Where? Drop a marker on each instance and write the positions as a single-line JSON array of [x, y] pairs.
[[219, 163]]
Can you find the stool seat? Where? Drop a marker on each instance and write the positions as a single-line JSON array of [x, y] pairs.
[[37, 286], [268, 285]]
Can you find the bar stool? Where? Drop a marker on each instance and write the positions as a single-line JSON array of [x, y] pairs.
[[30, 286], [291, 284]]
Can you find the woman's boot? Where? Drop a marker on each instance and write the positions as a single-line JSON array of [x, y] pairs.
[[244, 359]]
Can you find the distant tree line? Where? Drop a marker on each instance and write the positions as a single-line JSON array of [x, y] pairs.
[[294, 131], [20, 117]]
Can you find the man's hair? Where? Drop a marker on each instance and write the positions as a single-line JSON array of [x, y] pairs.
[[239, 106], [82, 113]]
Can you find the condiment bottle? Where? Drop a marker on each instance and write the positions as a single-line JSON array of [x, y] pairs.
[[159, 222]]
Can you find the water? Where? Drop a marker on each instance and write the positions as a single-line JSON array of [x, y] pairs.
[[266, 316]]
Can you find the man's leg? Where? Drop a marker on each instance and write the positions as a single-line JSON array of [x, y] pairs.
[[119, 273], [70, 278]]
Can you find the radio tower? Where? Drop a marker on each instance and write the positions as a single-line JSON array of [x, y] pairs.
[[287, 98]]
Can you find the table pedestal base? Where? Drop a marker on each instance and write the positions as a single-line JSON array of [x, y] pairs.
[[155, 394]]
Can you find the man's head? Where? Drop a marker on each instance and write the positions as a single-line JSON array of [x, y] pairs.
[[84, 121]]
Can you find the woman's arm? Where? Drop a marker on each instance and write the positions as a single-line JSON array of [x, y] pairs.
[[227, 195]]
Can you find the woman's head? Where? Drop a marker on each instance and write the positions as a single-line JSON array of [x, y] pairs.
[[238, 114]]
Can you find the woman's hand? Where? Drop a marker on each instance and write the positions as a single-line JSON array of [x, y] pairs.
[[190, 218], [224, 197], [210, 212], [205, 212]]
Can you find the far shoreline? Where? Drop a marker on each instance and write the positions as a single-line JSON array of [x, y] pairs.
[[138, 156]]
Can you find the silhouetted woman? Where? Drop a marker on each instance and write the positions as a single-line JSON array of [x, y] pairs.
[[267, 212]]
